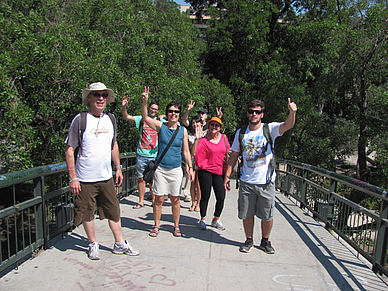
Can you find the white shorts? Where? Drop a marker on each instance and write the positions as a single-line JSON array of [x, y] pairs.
[[167, 181]]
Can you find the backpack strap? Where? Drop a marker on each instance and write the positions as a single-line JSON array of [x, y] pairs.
[[240, 137], [113, 119], [269, 139], [81, 132], [267, 135], [240, 164]]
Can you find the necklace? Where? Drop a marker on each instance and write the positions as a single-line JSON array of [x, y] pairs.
[[98, 123]]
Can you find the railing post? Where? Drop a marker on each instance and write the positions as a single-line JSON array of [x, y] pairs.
[[287, 179], [330, 206], [303, 194], [380, 257], [126, 176], [40, 221]]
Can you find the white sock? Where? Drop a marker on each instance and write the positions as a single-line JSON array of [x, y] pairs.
[[120, 244]]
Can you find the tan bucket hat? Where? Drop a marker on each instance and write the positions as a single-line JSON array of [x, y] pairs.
[[97, 87]]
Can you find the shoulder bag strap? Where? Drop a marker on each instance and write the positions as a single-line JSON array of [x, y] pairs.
[[167, 147], [226, 147]]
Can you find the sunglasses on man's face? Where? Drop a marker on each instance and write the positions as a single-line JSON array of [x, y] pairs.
[[251, 111], [98, 95], [173, 111]]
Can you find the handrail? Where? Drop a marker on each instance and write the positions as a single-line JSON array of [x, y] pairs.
[[32, 222], [29, 174], [357, 184], [39, 206], [327, 195]]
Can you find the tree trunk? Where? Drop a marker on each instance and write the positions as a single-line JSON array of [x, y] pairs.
[[362, 170]]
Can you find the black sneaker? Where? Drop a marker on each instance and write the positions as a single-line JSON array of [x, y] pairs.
[[246, 247], [267, 248]]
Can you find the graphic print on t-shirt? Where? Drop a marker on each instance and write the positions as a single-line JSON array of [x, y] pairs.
[[148, 138], [255, 148]]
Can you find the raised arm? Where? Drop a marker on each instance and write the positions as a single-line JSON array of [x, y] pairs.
[[124, 112], [153, 123], [185, 117], [290, 121]]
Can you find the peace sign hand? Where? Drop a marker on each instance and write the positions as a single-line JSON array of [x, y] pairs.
[[219, 112], [144, 96], [190, 106]]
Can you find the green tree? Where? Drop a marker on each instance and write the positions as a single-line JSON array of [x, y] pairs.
[[51, 50], [344, 45], [244, 52]]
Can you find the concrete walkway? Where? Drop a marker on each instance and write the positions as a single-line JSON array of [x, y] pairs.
[[307, 256]]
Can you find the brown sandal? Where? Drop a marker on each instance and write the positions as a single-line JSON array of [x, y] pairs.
[[177, 231], [192, 207], [154, 232]]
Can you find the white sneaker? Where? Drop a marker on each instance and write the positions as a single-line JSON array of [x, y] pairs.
[[218, 224], [94, 251], [126, 249]]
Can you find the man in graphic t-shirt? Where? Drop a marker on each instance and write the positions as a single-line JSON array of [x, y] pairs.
[[147, 148], [257, 190]]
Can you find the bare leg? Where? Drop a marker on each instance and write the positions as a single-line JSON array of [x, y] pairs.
[[90, 231], [152, 195], [266, 227], [248, 226], [159, 199], [141, 186], [116, 230], [176, 209]]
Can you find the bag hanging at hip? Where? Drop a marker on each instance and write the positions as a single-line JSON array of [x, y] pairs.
[[149, 171]]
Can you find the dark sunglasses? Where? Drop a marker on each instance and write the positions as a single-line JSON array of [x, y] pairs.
[[98, 95], [173, 111], [251, 111], [214, 124]]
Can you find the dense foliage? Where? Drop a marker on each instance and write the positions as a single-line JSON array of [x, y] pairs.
[[50, 50], [330, 57]]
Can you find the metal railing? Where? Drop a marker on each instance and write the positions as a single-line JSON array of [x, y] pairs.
[[353, 209], [37, 205], [40, 207]]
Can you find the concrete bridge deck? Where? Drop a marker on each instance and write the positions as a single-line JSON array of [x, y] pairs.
[[307, 256]]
